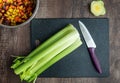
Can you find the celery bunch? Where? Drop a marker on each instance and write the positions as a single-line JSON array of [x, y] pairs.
[[48, 53]]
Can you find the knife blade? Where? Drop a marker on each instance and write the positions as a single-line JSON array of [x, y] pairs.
[[91, 46]]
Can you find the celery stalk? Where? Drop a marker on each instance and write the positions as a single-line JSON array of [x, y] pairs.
[[73, 34], [62, 54], [48, 57], [48, 53], [47, 43]]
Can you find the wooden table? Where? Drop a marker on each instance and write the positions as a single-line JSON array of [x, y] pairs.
[[17, 41]]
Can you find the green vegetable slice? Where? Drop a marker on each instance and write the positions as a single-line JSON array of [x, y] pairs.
[[97, 8]]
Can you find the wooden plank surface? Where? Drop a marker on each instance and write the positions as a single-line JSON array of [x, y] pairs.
[[17, 41]]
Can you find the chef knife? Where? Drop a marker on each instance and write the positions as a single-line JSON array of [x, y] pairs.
[[91, 46]]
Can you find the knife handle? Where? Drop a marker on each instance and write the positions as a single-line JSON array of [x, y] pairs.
[[95, 59]]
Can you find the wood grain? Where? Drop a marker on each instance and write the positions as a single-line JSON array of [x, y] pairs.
[[17, 41]]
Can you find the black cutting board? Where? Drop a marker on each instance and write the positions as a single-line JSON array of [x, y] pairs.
[[78, 63]]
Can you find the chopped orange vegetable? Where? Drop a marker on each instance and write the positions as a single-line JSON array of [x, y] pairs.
[[4, 0], [18, 0], [7, 7], [1, 4]]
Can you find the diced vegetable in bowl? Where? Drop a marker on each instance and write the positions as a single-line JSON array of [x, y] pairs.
[[17, 12]]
